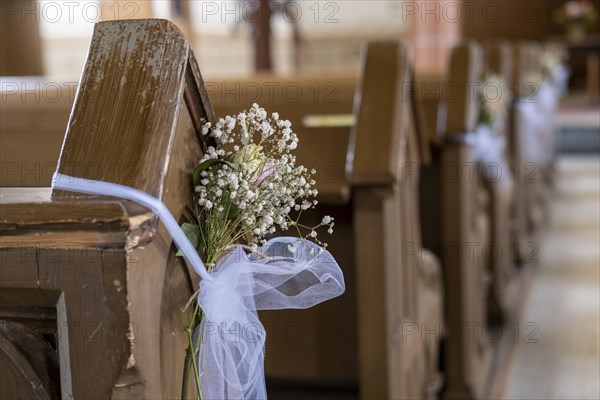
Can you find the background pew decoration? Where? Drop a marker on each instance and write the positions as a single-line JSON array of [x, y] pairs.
[[490, 144], [577, 16], [554, 64], [246, 184]]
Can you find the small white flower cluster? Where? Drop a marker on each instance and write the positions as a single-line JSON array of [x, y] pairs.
[[251, 182], [495, 97], [553, 58]]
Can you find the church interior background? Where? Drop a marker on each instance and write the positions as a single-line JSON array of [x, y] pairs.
[[459, 284]]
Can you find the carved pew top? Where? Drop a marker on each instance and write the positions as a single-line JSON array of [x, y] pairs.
[[466, 68], [135, 121], [499, 59], [379, 139], [527, 66], [128, 102]]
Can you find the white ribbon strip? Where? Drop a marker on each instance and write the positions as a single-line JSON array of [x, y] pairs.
[[285, 273], [80, 185]]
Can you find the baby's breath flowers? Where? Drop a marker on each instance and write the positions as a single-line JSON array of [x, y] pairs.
[[248, 186]]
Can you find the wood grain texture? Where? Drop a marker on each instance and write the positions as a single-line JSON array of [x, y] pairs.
[[127, 104]]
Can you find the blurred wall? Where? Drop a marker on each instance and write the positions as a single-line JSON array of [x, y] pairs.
[[513, 19]]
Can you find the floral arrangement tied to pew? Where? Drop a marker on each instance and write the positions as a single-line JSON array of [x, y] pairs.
[[247, 186], [490, 144], [577, 16]]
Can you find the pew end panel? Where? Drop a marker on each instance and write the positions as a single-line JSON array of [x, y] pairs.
[[107, 267]]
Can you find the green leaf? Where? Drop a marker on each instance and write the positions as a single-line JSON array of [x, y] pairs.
[[196, 177], [233, 212], [192, 231]]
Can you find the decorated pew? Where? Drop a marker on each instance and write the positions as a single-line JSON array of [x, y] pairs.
[[91, 291], [104, 283], [455, 227], [499, 180], [398, 281], [527, 148], [367, 163]]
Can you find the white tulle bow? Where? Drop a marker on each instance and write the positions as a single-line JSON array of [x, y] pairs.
[[488, 146], [233, 338], [285, 273]]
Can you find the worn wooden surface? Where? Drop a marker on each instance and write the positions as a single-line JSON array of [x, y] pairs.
[[107, 267]]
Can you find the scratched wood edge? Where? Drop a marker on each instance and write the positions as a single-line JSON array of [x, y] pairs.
[[134, 139]]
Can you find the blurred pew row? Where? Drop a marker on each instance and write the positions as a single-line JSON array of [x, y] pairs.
[[439, 187]]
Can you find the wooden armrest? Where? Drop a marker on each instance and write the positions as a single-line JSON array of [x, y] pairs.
[[29, 217]]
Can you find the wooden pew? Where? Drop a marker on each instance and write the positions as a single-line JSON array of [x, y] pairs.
[[523, 147], [35, 114], [125, 238], [322, 341], [91, 291], [398, 282], [455, 228], [504, 289], [372, 336]]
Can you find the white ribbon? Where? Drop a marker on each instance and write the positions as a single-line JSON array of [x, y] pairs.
[[285, 273], [560, 76], [80, 185], [488, 148], [532, 123]]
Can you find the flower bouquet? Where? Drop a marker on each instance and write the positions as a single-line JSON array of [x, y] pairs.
[[576, 16], [494, 97], [490, 144], [556, 71], [247, 187]]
